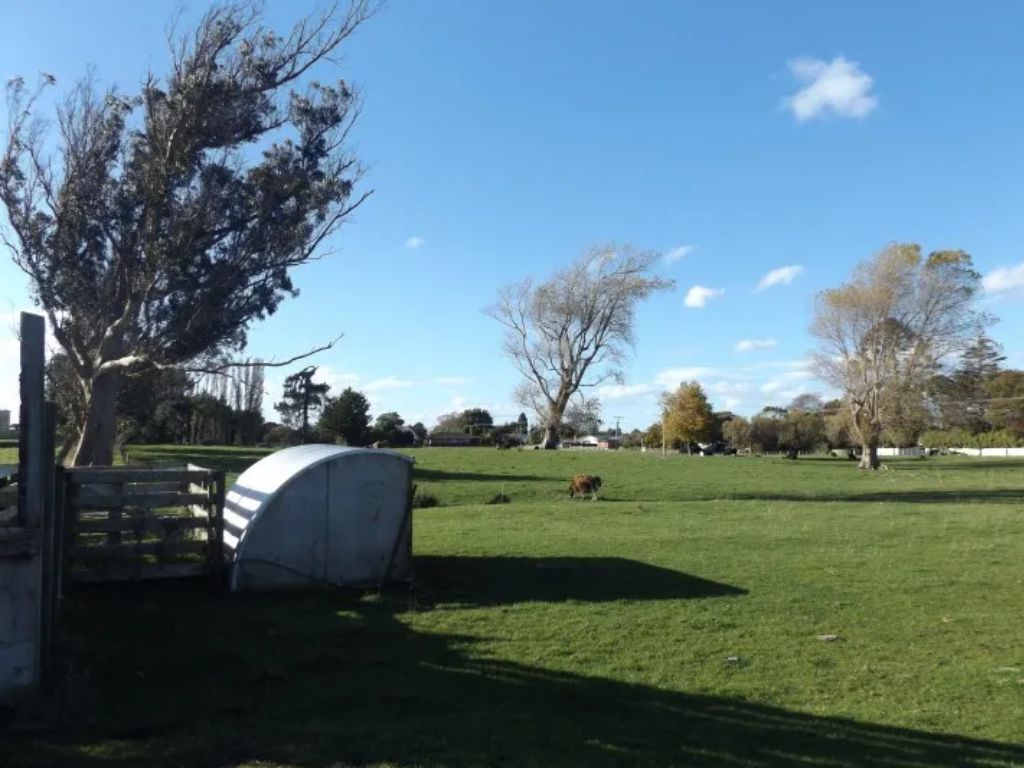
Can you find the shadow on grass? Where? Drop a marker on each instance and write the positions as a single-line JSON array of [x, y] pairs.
[[500, 580], [177, 676], [440, 475], [234, 460], [959, 496]]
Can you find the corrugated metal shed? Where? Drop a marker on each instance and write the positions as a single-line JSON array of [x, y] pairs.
[[320, 514]]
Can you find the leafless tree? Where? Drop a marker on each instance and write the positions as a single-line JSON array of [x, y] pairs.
[[574, 330], [899, 319]]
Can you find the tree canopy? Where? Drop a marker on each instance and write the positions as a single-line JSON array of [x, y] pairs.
[[687, 415], [882, 335], [574, 330], [347, 418], [171, 217]]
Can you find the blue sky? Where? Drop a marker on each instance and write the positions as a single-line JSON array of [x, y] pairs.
[[504, 138]]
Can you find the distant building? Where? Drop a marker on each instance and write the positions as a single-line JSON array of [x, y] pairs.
[[453, 440], [5, 423], [593, 442]]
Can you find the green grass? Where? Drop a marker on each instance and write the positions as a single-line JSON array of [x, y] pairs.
[[554, 632]]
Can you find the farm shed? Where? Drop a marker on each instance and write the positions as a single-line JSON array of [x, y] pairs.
[[320, 514]]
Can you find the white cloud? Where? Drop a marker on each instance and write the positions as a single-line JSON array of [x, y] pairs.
[[780, 276], [838, 87], [1004, 279], [698, 296], [677, 253], [672, 377], [749, 345], [415, 242], [624, 391], [388, 382]]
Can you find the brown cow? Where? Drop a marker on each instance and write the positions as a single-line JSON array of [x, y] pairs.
[[583, 485]]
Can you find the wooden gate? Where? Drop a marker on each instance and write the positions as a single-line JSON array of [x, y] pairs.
[[124, 524]]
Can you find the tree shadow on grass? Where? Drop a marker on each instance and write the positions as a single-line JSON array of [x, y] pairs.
[[441, 475], [958, 496], [500, 580], [233, 460], [178, 676]]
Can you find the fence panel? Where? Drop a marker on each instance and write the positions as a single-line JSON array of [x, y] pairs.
[[142, 523]]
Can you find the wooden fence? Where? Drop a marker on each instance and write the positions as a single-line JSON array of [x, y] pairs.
[[125, 524]]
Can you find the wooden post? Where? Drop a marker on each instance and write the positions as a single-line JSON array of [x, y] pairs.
[[60, 484], [31, 424], [217, 493], [50, 564], [31, 463]]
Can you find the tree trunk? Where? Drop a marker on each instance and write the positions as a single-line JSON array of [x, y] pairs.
[[96, 444], [550, 437], [869, 454]]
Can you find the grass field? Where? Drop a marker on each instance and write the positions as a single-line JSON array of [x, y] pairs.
[[674, 622]]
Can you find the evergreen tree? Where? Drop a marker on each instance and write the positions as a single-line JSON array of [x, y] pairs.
[[979, 365], [302, 399], [347, 417]]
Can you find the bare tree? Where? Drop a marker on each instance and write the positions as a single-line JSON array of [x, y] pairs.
[[171, 220], [574, 330], [881, 336]]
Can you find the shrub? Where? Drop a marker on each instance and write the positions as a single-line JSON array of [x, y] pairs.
[[424, 500], [961, 438]]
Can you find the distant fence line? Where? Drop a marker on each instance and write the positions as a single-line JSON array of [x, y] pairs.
[[993, 453]]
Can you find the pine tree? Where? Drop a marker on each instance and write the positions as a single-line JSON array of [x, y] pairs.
[[302, 398], [979, 365]]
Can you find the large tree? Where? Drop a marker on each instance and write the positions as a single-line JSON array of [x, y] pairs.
[[883, 335], [687, 415], [170, 219], [736, 432], [347, 417], [960, 398], [470, 420], [574, 330], [389, 428], [302, 400]]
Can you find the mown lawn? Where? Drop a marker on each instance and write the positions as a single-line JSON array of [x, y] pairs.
[[674, 622]]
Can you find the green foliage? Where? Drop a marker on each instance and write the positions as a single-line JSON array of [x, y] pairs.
[[687, 414], [303, 400], [474, 421], [280, 435], [736, 432], [171, 218], [653, 435], [1006, 407], [347, 418], [388, 427], [965, 438]]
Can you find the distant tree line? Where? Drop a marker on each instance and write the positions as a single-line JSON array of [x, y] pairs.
[[167, 406], [976, 403]]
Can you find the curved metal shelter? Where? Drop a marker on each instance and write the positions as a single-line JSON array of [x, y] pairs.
[[320, 514]]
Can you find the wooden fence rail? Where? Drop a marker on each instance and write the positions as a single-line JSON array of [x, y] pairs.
[[142, 523]]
